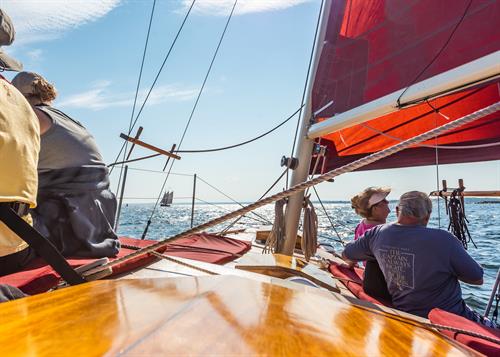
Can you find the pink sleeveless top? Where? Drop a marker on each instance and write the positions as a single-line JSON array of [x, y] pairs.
[[361, 228]]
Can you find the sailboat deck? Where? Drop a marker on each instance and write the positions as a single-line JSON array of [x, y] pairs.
[[206, 315], [182, 267]]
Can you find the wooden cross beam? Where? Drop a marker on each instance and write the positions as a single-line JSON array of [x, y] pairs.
[[445, 193], [150, 147]]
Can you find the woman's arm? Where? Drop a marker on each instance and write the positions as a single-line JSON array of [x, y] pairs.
[[45, 122]]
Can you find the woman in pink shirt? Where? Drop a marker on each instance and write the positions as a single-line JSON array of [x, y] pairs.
[[372, 205]]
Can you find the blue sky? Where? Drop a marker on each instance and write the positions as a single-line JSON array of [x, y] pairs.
[[91, 50]]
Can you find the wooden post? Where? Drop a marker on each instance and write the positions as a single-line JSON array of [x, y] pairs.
[[462, 189], [193, 199], [117, 219], [139, 132], [168, 160]]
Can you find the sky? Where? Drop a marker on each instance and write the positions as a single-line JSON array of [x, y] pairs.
[[91, 50]]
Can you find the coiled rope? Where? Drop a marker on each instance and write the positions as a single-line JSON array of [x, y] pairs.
[[276, 238], [309, 242], [458, 220], [304, 185]]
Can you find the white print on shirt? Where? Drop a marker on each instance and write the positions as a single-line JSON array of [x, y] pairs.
[[399, 267]]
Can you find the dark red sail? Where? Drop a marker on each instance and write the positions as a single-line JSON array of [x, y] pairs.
[[374, 48]]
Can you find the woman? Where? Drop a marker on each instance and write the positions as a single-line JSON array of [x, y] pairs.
[[372, 205], [75, 208]]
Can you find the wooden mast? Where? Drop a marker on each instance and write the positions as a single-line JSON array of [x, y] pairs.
[[304, 147]]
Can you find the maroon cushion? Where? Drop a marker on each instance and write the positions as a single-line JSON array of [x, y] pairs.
[[208, 248], [354, 282], [441, 317], [38, 277]]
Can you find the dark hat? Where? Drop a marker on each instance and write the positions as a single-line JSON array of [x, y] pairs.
[[7, 35]]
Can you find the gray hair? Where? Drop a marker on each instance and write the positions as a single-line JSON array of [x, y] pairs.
[[415, 204]]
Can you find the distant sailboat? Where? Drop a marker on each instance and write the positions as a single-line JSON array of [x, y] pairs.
[[166, 201]]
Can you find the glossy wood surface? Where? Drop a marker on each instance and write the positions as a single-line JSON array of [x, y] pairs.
[[205, 316], [284, 266]]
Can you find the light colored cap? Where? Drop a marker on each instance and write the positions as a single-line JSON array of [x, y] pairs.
[[7, 36], [378, 197], [23, 81]]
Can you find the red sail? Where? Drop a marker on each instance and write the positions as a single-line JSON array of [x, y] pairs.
[[376, 47]]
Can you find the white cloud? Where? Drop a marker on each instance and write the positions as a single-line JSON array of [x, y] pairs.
[[222, 7], [101, 97], [41, 20], [35, 55]]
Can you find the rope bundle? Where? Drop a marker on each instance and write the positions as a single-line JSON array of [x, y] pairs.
[[276, 238], [309, 242], [458, 220]]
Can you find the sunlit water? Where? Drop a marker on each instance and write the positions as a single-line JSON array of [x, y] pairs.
[[484, 224]]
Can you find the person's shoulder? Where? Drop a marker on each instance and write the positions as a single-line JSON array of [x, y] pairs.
[[439, 232], [441, 235], [378, 229], [387, 226]]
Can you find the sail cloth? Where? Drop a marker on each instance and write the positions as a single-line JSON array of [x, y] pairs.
[[377, 47]]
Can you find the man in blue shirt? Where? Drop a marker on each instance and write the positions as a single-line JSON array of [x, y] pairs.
[[422, 266]]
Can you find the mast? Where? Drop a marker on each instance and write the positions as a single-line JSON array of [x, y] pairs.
[[304, 146]]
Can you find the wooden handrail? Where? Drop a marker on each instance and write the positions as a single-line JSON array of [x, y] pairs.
[[468, 193]]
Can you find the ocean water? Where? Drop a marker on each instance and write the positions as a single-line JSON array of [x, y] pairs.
[[484, 226]]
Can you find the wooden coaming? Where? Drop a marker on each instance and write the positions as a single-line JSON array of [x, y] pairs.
[[284, 266], [205, 315]]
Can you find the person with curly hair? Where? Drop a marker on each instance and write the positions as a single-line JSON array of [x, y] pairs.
[[76, 209], [372, 205]]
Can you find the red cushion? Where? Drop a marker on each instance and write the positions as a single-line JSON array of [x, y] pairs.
[[208, 248], [355, 283], [441, 317], [38, 277]]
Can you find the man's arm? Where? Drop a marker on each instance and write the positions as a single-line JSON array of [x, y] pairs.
[[464, 266], [359, 249]]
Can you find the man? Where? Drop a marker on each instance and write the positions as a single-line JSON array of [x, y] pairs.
[[19, 148], [422, 266]]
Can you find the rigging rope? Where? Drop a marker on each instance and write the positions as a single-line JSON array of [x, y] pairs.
[[445, 147], [266, 220], [437, 54], [302, 186], [190, 116], [210, 150], [339, 240], [494, 316], [227, 210], [261, 197], [156, 78], [458, 220], [135, 99], [242, 143], [437, 161]]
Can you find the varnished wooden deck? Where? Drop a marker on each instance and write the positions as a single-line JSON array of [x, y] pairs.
[[205, 315]]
